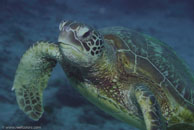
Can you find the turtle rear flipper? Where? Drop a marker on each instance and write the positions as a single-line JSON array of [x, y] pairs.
[[32, 76], [150, 108]]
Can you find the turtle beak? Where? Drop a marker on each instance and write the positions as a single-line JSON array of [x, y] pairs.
[[67, 36]]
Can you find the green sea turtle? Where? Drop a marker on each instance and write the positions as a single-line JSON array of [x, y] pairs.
[[132, 76]]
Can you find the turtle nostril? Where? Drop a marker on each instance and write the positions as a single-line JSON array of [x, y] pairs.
[[63, 25]]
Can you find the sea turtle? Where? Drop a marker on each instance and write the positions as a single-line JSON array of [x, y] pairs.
[[132, 76]]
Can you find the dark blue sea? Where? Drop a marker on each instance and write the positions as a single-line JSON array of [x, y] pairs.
[[23, 22]]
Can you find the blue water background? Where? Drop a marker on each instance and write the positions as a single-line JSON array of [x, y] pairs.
[[23, 22]]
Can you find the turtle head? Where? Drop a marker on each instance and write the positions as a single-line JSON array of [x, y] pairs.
[[80, 43]]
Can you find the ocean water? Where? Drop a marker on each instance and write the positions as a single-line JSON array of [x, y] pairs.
[[23, 22]]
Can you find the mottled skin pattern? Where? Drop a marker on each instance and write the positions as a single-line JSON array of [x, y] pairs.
[[129, 75]]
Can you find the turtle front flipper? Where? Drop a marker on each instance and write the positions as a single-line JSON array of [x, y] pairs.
[[150, 108], [32, 76]]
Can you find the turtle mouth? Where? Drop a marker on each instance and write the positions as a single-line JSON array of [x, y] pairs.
[[72, 54], [69, 46]]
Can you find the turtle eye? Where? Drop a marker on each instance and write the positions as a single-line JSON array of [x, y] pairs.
[[86, 34]]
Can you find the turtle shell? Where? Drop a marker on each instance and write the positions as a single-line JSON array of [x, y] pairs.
[[158, 62]]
